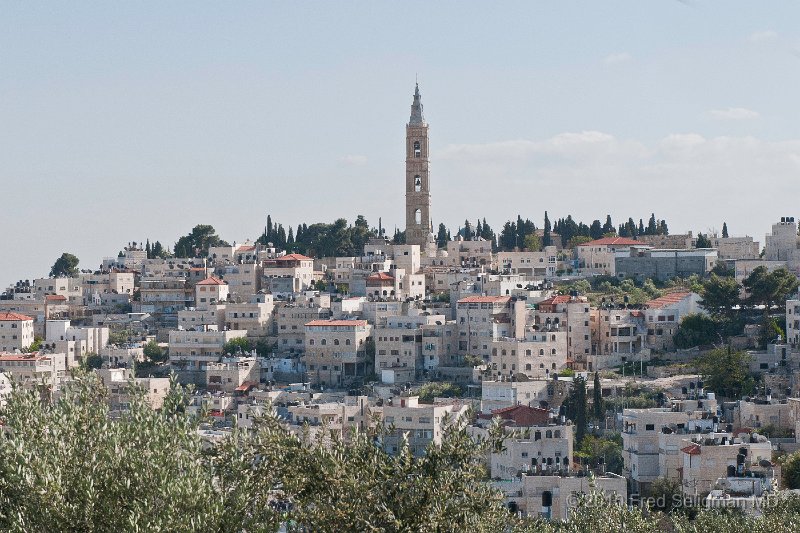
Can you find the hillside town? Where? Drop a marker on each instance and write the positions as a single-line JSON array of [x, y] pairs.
[[620, 358]]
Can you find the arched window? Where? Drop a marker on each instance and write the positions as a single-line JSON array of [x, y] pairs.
[[541, 352], [528, 366], [417, 183], [311, 342], [336, 342], [547, 499], [324, 342], [557, 433], [418, 216], [417, 151], [554, 366], [347, 342]]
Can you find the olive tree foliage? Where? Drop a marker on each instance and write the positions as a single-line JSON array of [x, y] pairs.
[[68, 466], [594, 513]]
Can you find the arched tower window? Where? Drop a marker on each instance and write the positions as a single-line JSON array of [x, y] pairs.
[[417, 183], [418, 216], [417, 151]]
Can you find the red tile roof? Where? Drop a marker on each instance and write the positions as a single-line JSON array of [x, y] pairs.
[[668, 299], [23, 357], [11, 316], [613, 241], [293, 257], [337, 323], [692, 449], [554, 300], [522, 415], [246, 248], [213, 280], [55, 297], [381, 276], [484, 299]]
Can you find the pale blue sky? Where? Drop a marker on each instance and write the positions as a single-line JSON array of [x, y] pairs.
[[127, 121]]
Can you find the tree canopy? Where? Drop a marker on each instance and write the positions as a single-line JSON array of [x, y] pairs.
[[770, 288], [68, 466], [198, 241], [725, 371], [65, 266]]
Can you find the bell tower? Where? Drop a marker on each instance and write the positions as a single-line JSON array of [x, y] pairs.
[[418, 195]]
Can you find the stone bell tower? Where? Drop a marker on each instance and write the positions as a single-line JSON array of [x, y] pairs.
[[418, 195]]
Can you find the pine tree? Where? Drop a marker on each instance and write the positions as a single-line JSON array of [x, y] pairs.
[[640, 229], [724, 230], [580, 409], [290, 238], [597, 404], [662, 229], [442, 236], [608, 227], [467, 233], [478, 229], [652, 227], [547, 239], [596, 230]]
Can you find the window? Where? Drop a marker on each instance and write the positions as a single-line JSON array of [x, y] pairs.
[[417, 151], [418, 216], [417, 183], [649, 427]]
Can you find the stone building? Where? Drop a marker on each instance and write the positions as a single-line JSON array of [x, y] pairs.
[[418, 194]]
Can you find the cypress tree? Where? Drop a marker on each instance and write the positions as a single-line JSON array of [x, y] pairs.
[[599, 410]]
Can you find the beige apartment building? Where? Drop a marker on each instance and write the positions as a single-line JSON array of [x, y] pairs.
[[256, 316], [35, 370], [541, 264], [422, 424], [296, 268], [537, 355], [335, 351], [193, 350], [291, 320], [398, 347], [232, 373], [16, 331], [554, 497], [482, 319], [651, 438]]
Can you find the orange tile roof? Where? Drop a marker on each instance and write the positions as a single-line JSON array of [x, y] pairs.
[[55, 297], [484, 299], [293, 257], [613, 241], [380, 276], [213, 280], [554, 300], [11, 316], [21, 357], [667, 300], [692, 449], [337, 323]]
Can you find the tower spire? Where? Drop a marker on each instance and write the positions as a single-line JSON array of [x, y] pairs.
[[417, 118]]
